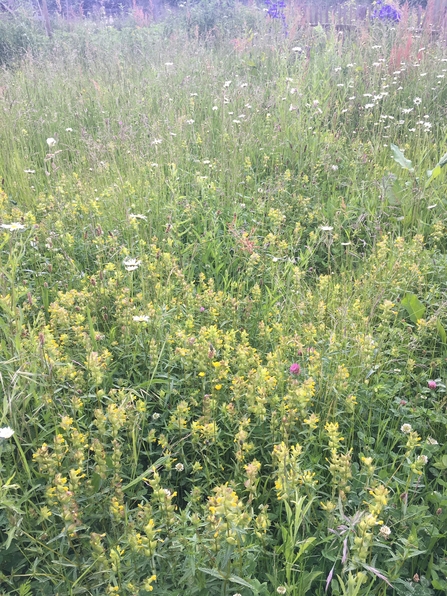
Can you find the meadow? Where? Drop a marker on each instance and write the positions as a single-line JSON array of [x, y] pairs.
[[223, 310]]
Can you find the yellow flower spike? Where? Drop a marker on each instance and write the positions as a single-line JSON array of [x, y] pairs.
[[328, 506], [351, 402], [312, 421], [66, 422], [147, 583]]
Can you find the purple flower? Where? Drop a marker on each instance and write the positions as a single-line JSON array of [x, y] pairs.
[[295, 369], [432, 384], [275, 10], [385, 12]]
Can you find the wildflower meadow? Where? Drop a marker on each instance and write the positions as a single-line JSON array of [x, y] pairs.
[[223, 315]]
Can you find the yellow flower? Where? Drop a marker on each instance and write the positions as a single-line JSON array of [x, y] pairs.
[[218, 387], [312, 421], [147, 583], [328, 506], [66, 422], [201, 374], [351, 402]]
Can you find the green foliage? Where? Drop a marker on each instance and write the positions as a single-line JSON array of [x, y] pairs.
[[222, 312], [19, 35], [399, 157], [433, 174], [206, 18], [414, 307]]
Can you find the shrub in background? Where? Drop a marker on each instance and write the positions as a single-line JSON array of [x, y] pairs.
[[18, 36]]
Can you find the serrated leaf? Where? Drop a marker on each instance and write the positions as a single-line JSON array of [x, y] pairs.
[[413, 306], [238, 580], [232, 578], [400, 158], [25, 589], [213, 572]]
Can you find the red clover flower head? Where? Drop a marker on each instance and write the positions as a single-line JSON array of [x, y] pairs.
[[295, 369]]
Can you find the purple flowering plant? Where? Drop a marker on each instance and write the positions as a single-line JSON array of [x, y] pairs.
[[275, 10], [385, 12]]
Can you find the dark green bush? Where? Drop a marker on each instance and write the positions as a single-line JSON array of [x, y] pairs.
[[210, 17], [18, 36]]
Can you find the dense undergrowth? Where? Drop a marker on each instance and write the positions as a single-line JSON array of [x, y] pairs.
[[223, 345]]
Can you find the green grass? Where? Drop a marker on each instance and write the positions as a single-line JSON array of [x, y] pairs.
[[217, 207]]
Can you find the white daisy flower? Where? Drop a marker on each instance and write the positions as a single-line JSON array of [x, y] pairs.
[[6, 432], [13, 227], [140, 319], [131, 264]]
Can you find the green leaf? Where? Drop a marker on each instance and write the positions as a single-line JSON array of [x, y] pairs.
[[160, 461], [25, 589], [213, 572], [304, 545], [11, 535], [401, 159], [238, 580], [235, 579], [391, 189], [307, 578], [441, 331], [441, 464], [413, 306], [96, 482], [433, 174]]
